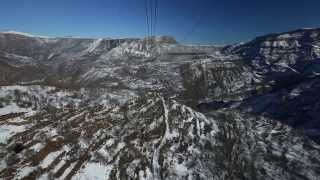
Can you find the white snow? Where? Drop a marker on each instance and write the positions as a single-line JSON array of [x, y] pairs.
[[12, 88], [285, 65], [30, 113], [7, 131], [76, 116], [284, 36], [37, 147], [120, 146], [18, 33], [295, 92], [67, 171], [83, 144], [93, 171], [23, 34], [134, 48], [49, 159], [44, 177], [145, 175], [94, 45], [181, 170], [13, 108], [25, 171], [3, 164], [50, 56], [17, 120], [109, 142], [104, 152], [58, 166], [156, 153]]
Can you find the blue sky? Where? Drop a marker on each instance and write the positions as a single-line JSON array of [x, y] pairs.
[[219, 22]]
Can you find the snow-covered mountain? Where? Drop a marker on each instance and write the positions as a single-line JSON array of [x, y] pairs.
[[74, 108]]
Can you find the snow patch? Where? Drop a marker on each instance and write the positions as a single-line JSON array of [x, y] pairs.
[[181, 170], [7, 131], [49, 159], [25, 171], [13, 108], [23, 34], [93, 171], [37, 147], [94, 45]]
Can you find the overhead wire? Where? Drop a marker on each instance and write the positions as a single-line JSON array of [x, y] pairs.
[[147, 17], [155, 17], [151, 17], [151, 13]]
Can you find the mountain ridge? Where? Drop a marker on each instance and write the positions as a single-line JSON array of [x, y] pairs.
[[135, 109]]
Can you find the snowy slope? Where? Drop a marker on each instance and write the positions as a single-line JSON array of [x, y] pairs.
[[155, 138]]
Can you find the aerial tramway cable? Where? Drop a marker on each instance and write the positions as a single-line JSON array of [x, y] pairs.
[[155, 17], [151, 8], [151, 13], [147, 17], [151, 17]]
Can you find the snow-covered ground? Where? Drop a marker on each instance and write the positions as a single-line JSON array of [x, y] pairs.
[[93, 171], [7, 131], [136, 122], [153, 137]]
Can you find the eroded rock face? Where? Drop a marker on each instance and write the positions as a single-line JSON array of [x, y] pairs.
[[286, 67], [217, 80], [277, 51]]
